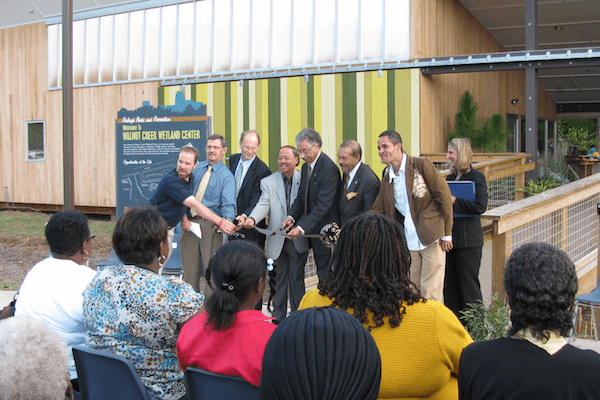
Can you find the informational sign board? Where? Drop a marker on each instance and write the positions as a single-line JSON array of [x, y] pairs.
[[148, 143]]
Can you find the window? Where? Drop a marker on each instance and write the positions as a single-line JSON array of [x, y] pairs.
[[212, 37], [35, 141]]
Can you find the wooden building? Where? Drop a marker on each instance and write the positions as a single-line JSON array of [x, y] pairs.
[[340, 105]]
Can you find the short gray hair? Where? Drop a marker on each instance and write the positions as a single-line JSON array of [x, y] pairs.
[[310, 135], [35, 360]]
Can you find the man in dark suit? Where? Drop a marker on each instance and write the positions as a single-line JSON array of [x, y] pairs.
[[317, 201], [248, 171], [360, 185]]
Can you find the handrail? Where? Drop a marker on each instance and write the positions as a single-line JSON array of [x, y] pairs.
[[510, 216], [564, 216]]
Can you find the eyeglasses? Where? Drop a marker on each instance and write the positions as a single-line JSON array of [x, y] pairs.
[[91, 237]]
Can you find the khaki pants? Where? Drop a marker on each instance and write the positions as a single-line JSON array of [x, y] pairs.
[[427, 271], [196, 254]]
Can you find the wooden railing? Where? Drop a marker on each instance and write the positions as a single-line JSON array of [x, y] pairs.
[[495, 166], [566, 217]]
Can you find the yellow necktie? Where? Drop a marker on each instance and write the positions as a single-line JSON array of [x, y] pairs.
[[202, 188]]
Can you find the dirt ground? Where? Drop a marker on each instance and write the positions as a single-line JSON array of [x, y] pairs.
[[18, 256]]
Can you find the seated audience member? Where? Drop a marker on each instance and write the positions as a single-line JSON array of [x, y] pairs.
[[535, 361], [230, 337], [130, 310], [34, 364], [53, 289], [420, 340], [321, 353]]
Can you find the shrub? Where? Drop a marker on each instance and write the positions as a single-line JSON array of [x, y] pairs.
[[485, 323]]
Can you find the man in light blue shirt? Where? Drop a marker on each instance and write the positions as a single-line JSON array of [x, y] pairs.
[[214, 186]]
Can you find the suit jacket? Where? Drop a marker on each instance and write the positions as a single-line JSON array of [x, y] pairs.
[[272, 204], [467, 231], [250, 192], [362, 193], [430, 201], [321, 204]]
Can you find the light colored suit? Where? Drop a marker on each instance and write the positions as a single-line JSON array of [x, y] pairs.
[[289, 262], [272, 204]]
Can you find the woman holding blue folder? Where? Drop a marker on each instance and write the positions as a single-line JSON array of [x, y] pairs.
[[461, 284]]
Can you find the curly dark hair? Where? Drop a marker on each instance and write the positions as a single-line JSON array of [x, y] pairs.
[[66, 232], [138, 235], [236, 269], [541, 283], [370, 271]]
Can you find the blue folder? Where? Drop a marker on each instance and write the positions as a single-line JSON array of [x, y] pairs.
[[462, 190]]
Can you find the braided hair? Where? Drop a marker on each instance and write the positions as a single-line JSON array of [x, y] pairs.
[[370, 271], [236, 269]]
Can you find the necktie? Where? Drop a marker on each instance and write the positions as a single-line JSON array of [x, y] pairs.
[[307, 185], [238, 178], [202, 188], [345, 185]]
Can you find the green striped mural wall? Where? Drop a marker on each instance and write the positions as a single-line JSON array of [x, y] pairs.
[[355, 106]]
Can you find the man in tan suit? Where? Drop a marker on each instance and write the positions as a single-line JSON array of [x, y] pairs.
[[415, 194]]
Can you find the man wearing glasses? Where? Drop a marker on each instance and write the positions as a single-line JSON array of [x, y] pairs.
[[214, 187], [317, 203], [248, 170]]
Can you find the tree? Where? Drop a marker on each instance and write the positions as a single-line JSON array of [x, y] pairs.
[[579, 134], [488, 135], [466, 122]]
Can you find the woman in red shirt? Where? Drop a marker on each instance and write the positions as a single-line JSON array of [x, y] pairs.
[[230, 337]]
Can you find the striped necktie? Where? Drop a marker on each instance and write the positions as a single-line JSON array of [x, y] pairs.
[[238, 178]]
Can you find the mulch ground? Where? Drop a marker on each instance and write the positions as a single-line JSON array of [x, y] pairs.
[[19, 255]]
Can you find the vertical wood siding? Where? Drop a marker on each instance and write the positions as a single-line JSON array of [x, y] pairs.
[[356, 106]]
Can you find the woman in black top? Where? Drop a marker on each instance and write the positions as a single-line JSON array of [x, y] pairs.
[[461, 284]]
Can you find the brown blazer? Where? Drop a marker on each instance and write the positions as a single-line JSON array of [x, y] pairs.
[[430, 203]]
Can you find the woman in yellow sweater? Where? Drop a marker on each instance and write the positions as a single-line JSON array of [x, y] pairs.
[[420, 341]]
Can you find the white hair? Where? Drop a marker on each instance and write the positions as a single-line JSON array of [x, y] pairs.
[[34, 360]]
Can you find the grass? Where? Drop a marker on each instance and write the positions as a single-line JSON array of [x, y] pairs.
[[14, 224], [9, 285], [20, 224]]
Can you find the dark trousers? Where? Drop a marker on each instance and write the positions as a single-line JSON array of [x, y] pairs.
[[461, 285], [289, 280], [322, 256]]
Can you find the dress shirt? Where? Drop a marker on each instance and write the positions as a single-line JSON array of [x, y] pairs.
[[352, 174], [287, 184], [403, 206], [220, 192], [245, 165]]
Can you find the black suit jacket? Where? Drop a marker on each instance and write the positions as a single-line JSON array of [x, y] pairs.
[[322, 203], [467, 231], [360, 194], [250, 193]]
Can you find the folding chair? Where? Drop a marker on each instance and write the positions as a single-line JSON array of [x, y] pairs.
[[206, 385], [591, 300], [106, 376]]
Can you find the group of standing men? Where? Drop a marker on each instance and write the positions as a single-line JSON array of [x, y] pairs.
[[301, 203]]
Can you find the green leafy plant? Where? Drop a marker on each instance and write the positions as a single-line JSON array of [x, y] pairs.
[[488, 135], [485, 323], [466, 121], [554, 165], [579, 134], [533, 188], [493, 135]]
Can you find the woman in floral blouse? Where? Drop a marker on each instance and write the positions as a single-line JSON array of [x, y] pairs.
[[130, 310]]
